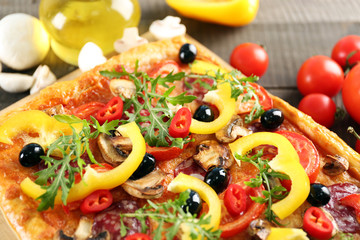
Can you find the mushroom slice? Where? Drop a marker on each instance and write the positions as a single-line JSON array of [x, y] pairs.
[[83, 231], [211, 153], [114, 149], [60, 235], [122, 87], [234, 129], [335, 165], [259, 229], [147, 187], [56, 110]]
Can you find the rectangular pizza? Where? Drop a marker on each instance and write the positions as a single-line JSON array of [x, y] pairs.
[[166, 141]]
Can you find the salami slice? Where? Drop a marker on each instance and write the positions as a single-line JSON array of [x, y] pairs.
[[344, 216], [191, 168], [109, 220]]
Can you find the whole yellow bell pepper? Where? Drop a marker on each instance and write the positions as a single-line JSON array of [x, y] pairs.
[[226, 12], [34, 121], [286, 161], [93, 180]]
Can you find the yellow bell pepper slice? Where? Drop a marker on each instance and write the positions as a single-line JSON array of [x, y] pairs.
[[225, 12], [221, 98], [93, 180], [182, 182], [287, 234], [34, 121], [202, 67], [286, 161]]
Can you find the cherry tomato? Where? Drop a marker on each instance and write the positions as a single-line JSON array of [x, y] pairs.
[[235, 199], [164, 68], [351, 93], [250, 59], [344, 47], [138, 236], [316, 224], [320, 74], [96, 201], [164, 153], [264, 99], [113, 110], [320, 107], [232, 225], [308, 155], [180, 124], [86, 110], [352, 200]]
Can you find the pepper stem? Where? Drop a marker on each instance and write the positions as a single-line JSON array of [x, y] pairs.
[[352, 131]]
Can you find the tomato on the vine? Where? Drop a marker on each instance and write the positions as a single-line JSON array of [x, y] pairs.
[[320, 107], [351, 93], [343, 48], [250, 59], [320, 74]]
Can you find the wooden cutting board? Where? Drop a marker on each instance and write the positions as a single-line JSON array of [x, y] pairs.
[[7, 233]]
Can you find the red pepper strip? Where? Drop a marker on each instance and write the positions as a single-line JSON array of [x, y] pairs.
[[316, 224], [96, 201], [180, 124], [86, 110], [138, 236], [353, 200], [235, 199], [113, 110]]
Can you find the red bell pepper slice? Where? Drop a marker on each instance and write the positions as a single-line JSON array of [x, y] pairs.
[[96, 201], [235, 199], [113, 110], [316, 224], [352, 200], [138, 236], [180, 124]]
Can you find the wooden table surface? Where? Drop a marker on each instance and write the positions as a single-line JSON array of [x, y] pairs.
[[290, 30]]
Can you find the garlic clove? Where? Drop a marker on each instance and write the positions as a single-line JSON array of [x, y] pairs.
[[43, 78], [90, 56], [129, 40], [15, 82], [167, 28]]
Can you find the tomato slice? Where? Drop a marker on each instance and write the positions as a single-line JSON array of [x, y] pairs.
[[264, 99], [86, 110], [138, 236], [235, 199], [316, 224], [352, 200], [164, 153], [180, 124], [96, 201], [253, 210], [164, 68], [308, 155], [113, 110]]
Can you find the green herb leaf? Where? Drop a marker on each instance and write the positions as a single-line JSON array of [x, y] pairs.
[[171, 212]]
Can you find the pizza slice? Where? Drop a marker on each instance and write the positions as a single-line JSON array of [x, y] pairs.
[[166, 141]]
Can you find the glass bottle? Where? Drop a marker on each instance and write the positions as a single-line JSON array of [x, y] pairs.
[[72, 23]]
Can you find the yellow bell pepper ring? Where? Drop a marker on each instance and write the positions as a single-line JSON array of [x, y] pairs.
[[221, 98], [182, 182], [286, 161], [226, 12], [34, 121], [93, 180], [287, 234]]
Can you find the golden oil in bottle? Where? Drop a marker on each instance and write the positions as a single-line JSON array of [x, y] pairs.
[[72, 23]]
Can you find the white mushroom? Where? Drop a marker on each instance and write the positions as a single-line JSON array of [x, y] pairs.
[[167, 28], [43, 78], [122, 87], [129, 40], [90, 56], [15, 82], [24, 43]]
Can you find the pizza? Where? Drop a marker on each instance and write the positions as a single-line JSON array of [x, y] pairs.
[[166, 141]]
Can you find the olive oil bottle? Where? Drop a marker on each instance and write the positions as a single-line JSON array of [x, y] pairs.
[[72, 23]]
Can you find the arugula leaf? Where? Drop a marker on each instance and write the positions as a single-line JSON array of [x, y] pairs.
[[171, 212], [60, 172], [263, 177]]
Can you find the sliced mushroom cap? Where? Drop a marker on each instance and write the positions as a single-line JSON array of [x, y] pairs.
[[122, 87], [60, 235], [259, 229], [147, 187], [114, 149], [211, 153], [56, 110], [234, 129], [335, 165], [83, 231]]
